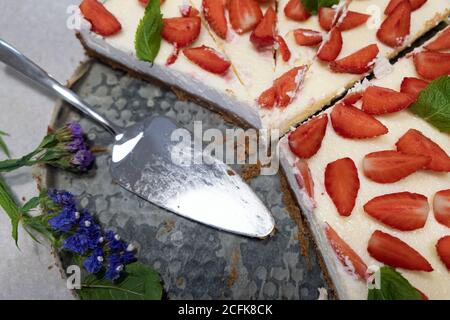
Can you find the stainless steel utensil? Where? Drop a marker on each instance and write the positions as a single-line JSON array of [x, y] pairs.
[[142, 163]]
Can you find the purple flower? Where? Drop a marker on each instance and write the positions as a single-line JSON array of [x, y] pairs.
[[65, 220], [78, 243], [76, 130], [62, 198], [114, 242], [128, 257], [83, 160], [115, 266], [75, 145], [94, 262]]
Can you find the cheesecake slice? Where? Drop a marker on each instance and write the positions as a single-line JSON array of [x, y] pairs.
[[373, 178]]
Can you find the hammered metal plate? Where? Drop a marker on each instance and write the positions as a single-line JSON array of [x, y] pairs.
[[195, 261]]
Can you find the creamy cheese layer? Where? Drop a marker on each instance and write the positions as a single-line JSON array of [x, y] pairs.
[[357, 229]]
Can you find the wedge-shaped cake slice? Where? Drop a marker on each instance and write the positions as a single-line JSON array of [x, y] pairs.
[[359, 40], [372, 177]]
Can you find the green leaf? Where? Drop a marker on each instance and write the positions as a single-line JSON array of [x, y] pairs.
[[433, 104], [312, 6], [3, 146], [12, 209], [138, 283], [148, 34], [31, 204], [392, 286]]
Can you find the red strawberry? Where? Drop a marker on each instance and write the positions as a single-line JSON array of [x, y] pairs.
[[396, 253], [283, 89], [350, 122], [307, 37], [306, 140], [443, 249], [304, 178], [396, 26], [415, 4], [208, 59], [432, 65], [214, 12], [331, 48], [413, 86], [296, 11], [103, 22], [352, 20], [441, 207], [264, 33], [346, 255], [403, 211], [358, 62], [326, 17], [414, 142], [189, 11], [352, 98], [244, 15], [181, 31], [342, 184], [284, 49], [442, 42], [391, 166], [378, 100]]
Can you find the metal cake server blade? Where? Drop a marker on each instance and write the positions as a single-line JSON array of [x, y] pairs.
[[147, 162]]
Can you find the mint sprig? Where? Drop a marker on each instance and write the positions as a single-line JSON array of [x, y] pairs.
[[433, 104], [313, 5], [391, 285], [147, 41]]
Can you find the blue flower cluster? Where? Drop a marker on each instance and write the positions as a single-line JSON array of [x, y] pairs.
[[85, 237]]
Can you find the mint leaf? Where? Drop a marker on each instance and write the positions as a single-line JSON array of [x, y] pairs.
[[313, 5], [3, 146], [11, 208], [392, 286], [433, 104], [138, 283], [147, 40]]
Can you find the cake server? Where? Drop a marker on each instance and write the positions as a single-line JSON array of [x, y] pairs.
[[146, 161]]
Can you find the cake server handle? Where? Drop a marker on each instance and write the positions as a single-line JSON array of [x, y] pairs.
[[15, 59]]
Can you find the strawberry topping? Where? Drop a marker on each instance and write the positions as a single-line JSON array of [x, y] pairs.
[[296, 11], [346, 255], [307, 37], [378, 100], [391, 166], [443, 250], [350, 122], [284, 49], [396, 26], [244, 15], [413, 86], [394, 252], [342, 184], [102, 21], [432, 65], [331, 48], [415, 4], [352, 19], [208, 59], [358, 62], [327, 18], [441, 207], [304, 177], [442, 42], [264, 33], [189, 11], [415, 143], [306, 140], [403, 211], [214, 12], [181, 31]]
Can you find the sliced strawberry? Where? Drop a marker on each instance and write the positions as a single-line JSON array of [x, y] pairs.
[[296, 11], [307, 37], [432, 65], [208, 59], [441, 207], [351, 98], [346, 255], [443, 249], [244, 15], [326, 17], [358, 62], [283, 89], [304, 178], [214, 12], [403, 211], [415, 4], [413, 86], [350, 122], [173, 56], [396, 26], [342, 184], [331, 48], [352, 20], [415, 143], [102, 21], [189, 11], [181, 31], [284, 49], [394, 252], [306, 139], [264, 33], [391, 166], [442, 42], [377, 100]]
